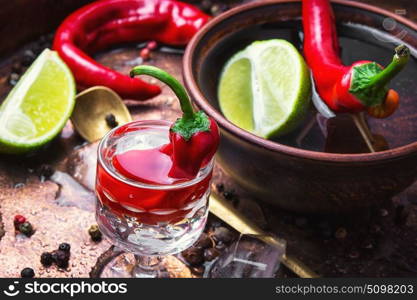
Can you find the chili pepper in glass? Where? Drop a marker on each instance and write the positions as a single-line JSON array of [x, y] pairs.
[[151, 201], [106, 23], [359, 87]]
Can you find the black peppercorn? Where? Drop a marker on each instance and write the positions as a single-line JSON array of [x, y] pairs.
[[16, 67], [65, 247], [13, 79], [111, 120], [61, 258], [223, 234], [204, 241], [95, 233], [26, 228], [220, 246], [28, 58], [220, 187], [210, 254], [46, 259], [27, 273], [46, 171], [193, 256]]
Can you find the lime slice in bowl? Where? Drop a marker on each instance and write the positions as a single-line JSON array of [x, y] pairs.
[[38, 107], [265, 88]]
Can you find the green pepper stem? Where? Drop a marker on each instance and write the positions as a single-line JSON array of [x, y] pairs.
[[400, 59], [174, 84]]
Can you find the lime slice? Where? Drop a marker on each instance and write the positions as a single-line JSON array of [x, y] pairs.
[[38, 107], [265, 89]]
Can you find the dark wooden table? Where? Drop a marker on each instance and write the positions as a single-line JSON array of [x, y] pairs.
[[379, 243]]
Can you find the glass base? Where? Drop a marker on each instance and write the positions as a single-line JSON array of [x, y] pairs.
[[160, 239], [127, 265]]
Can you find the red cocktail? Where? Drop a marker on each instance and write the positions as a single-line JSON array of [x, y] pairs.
[[133, 177], [153, 182]]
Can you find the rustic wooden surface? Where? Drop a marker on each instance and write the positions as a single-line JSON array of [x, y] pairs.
[[377, 243]]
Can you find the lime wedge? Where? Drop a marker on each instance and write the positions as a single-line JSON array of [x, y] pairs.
[[265, 88], [38, 107]]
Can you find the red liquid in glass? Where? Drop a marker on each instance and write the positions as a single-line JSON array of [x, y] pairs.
[[148, 205]]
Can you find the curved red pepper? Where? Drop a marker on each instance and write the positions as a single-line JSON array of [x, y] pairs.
[[108, 22], [194, 138], [353, 88]]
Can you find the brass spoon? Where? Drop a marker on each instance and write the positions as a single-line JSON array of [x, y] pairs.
[[92, 106]]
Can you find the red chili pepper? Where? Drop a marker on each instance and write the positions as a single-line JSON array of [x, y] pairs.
[[359, 87], [194, 137], [108, 22]]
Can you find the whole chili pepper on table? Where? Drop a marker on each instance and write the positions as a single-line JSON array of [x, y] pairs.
[[194, 137], [356, 88], [104, 23]]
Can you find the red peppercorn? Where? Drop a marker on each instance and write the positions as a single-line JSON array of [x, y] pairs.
[[18, 219], [152, 45], [145, 54]]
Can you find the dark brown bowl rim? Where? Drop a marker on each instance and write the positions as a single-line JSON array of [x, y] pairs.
[[202, 102]]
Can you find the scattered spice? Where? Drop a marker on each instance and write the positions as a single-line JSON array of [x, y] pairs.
[[384, 212], [26, 228], [45, 171], [199, 270], [222, 234], [111, 120], [301, 222], [46, 259], [152, 45], [354, 254], [193, 256], [95, 233], [13, 79], [61, 258], [204, 241], [210, 254], [220, 246], [18, 220], [341, 233], [28, 57], [27, 273], [220, 187], [145, 54], [65, 247]]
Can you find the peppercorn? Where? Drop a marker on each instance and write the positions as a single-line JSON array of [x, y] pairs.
[[27, 273], [61, 258], [220, 246], [204, 241], [16, 67], [193, 256], [210, 254], [220, 187], [95, 233], [13, 79], [28, 58], [45, 171], [341, 233], [111, 120], [205, 5], [223, 234], [65, 247], [18, 220], [46, 259], [198, 270], [301, 222], [152, 45], [145, 54], [26, 228]]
